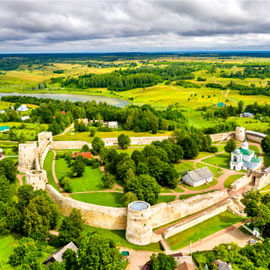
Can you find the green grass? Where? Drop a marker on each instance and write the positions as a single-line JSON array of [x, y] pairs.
[[119, 237], [203, 229], [255, 149], [165, 190], [231, 179], [9, 148], [48, 167], [203, 154], [84, 136], [202, 187], [23, 179], [166, 198], [266, 159], [184, 166], [90, 181], [221, 160], [113, 199], [185, 196], [7, 244], [179, 190]]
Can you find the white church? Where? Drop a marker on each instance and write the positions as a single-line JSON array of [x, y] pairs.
[[244, 159]]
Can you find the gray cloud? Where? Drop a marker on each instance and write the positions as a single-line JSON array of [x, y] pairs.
[[134, 25]]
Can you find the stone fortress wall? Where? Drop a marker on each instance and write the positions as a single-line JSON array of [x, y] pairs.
[[31, 156]]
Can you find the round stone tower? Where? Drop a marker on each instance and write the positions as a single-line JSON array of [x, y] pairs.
[[27, 155], [45, 137], [36, 178], [240, 134], [139, 226]]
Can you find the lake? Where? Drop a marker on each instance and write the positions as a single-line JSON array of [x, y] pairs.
[[71, 97]]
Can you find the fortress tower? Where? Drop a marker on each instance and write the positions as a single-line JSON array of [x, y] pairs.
[[36, 178], [45, 137], [139, 226], [27, 155], [240, 134]]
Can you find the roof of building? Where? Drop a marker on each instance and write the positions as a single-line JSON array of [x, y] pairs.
[[237, 151], [57, 256], [22, 107], [4, 128], [256, 133], [222, 265], [251, 165], [185, 266], [256, 160], [84, 155], [198, 175], [246, 152], [125, 253], [25, 117]]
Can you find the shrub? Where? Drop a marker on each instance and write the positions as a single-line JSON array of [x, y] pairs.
[[213, 149], [108, 180], [65, 184]]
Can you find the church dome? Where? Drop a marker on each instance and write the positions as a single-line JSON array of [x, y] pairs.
[[237, 151], [245, 145]]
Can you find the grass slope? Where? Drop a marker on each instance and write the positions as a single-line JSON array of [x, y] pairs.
[[202, 230], [231, 179]]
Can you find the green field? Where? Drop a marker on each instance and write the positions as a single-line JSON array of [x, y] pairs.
[[9, 148], [48, 167], [7, 244], [202, 230], [231, 179], [221, 160], [184, 166], [90, 181]]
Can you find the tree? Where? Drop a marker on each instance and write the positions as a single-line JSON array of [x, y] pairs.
[[230, 145], [85, 148], [108, 180], [145, 187], [22, 138], [123, 166], [27, 252], [6, 191], [189, 146], [162, 262], [240, 106], [97, 145], [98, 252], [92, 132], [266, 144], [71, 227], [77, 168], [129, 197], [8, 169], [40, 215], [123, 141], [54, 128]]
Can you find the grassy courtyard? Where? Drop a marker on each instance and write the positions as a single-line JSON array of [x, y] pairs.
[[90, 181], [203, 229], [221, 160]]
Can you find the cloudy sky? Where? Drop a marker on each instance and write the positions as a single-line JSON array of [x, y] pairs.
[[133, 25]]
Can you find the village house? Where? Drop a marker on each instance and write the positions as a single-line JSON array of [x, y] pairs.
[[222, 265], [22, 108], [244, 159], [23, 118], [198, 177], [246, 115], [58, 255], [2, 111], [84, 155]]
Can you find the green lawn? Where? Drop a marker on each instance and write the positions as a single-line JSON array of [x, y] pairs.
[[7, 244], [48, 167], [204, 154], [9, 148], [184, 166], [90, 181], [203, 229], [231, 179], [165, 190], [255, 149], [179, 190], [120, 239], [202, 187], [266, 159], [23, 179], [221, 160], [166, 198], [113, 199]]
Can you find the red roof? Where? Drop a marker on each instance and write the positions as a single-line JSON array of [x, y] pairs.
[[63, 112], [84, 155], [53, 117]]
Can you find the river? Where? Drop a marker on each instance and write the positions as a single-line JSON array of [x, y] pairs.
[[71, 97]]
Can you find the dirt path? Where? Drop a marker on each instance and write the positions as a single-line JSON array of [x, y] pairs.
[[20, 177], [65, 131]]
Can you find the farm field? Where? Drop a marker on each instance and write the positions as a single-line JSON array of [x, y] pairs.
[[202, 230]]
